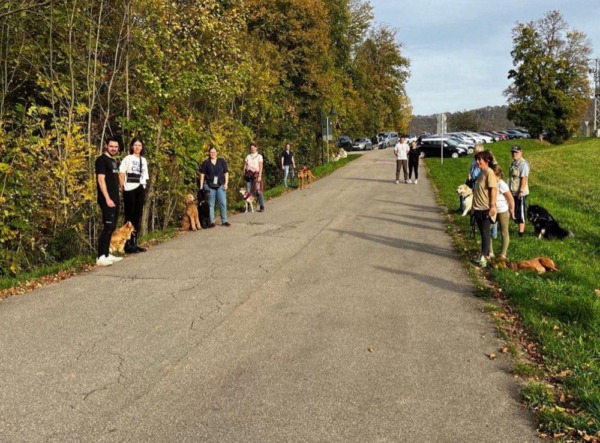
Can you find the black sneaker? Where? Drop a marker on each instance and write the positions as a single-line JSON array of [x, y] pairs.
[[520, 234], [227, 224], [212, 225], [262, 209]]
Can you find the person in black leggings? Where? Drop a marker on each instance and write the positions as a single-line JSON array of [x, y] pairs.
[[133, 175], [413, 162]]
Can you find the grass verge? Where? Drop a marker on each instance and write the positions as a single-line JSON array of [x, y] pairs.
[[559, 311]]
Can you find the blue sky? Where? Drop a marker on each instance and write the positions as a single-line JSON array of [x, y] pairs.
[[460, 49]]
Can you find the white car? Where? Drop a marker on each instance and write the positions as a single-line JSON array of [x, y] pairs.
[[484, 138], [453, 142]]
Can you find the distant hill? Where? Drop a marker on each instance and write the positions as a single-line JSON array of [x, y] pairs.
[[489, 118]]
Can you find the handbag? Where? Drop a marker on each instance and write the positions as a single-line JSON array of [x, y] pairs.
[[250, 175]]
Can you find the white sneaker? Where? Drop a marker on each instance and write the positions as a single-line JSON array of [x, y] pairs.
[[114, 259], [397, 182], [416, 181], [103, 261], [409, 181]]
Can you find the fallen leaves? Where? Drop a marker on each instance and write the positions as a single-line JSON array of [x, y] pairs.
[[492, 356], [371, 349]]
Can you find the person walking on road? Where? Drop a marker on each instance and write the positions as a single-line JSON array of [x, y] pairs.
[[107, 181], [214, 177], [253, 169], [133, 177], [519, 186], [484, 203], [413, 162], [401, 152], [287, 161]]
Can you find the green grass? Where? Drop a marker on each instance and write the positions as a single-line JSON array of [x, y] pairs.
[[560, 310]]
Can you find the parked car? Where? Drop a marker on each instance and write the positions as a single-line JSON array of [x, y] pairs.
[[452, 141], [490, 134], [389, 138], [432, 147], [362, 144], [345, 142]]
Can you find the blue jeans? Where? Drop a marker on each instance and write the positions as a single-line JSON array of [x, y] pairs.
[[250, 186], [220, 195], [287, 171]]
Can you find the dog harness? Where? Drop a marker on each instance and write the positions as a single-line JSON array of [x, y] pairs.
[[247, 195]]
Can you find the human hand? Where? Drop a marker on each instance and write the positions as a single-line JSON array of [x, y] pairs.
[[110, 203]]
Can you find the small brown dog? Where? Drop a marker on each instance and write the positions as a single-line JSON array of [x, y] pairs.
[[305, 177], [248, 199], [120, 237], [538, 264], [190, 219]]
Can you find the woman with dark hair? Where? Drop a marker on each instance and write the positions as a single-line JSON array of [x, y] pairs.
[[484, 202], [133, 175], [214, 177]]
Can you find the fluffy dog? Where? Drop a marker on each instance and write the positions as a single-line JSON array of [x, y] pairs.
[[467, 194], [248, 199], [204, 208], [538, 264], [190, 219], [120, 237], [545, 225], [305, 177]]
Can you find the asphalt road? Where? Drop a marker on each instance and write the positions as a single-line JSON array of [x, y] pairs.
[[341, 314]]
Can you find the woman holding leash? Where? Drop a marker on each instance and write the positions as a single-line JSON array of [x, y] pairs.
[[133, 176], [253, 169], [214, 177], [484, 202]]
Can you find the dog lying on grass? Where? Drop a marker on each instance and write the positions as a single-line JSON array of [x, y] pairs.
[[538, 264], [120, 237], [248, 199], [190, 219], [545, 225], [467, 194]]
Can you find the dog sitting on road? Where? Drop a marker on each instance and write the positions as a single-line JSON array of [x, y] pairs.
[[248, 200], [545, 225], [203, 208], [538, 264], [120, 237], [190, 218], [467, 194]]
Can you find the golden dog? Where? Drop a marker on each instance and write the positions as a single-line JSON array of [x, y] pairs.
[[190, 219], [305, 177], [467, 193], [248, 199], [538, 264], [120, 237]]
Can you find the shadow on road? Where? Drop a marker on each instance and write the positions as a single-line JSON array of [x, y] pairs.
[[441, 283], [404, 223], [366, 179], [401, 244], [414, 217], [420, 208]]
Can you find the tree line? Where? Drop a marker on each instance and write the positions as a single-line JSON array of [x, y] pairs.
[[183, 75]]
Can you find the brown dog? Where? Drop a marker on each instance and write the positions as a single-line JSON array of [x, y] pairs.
[[305, 177], [538, 264], [120, 237], [190, 219]]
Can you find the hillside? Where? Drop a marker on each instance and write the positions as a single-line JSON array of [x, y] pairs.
[[488, 118]]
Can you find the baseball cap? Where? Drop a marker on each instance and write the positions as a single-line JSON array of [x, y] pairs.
[[516, 148]]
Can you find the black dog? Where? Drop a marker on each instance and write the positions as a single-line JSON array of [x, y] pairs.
[[545, 225], [203, 208]]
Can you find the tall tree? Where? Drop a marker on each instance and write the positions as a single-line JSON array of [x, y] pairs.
[[550, 86]]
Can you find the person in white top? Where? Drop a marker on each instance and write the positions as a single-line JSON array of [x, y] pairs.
[[401, 152], [253, 169], [133, 177], [505, 207]]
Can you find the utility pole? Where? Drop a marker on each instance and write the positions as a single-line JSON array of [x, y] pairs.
[[595, 71]]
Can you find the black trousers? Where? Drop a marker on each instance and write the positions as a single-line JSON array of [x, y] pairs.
[[484, 224], [109, 220], [413, 165], [134, 206]]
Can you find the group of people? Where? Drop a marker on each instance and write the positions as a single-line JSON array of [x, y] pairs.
[[131, 177], [407, 160], [495, 201]]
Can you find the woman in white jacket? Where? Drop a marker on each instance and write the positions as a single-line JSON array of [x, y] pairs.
[[133, 174]]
